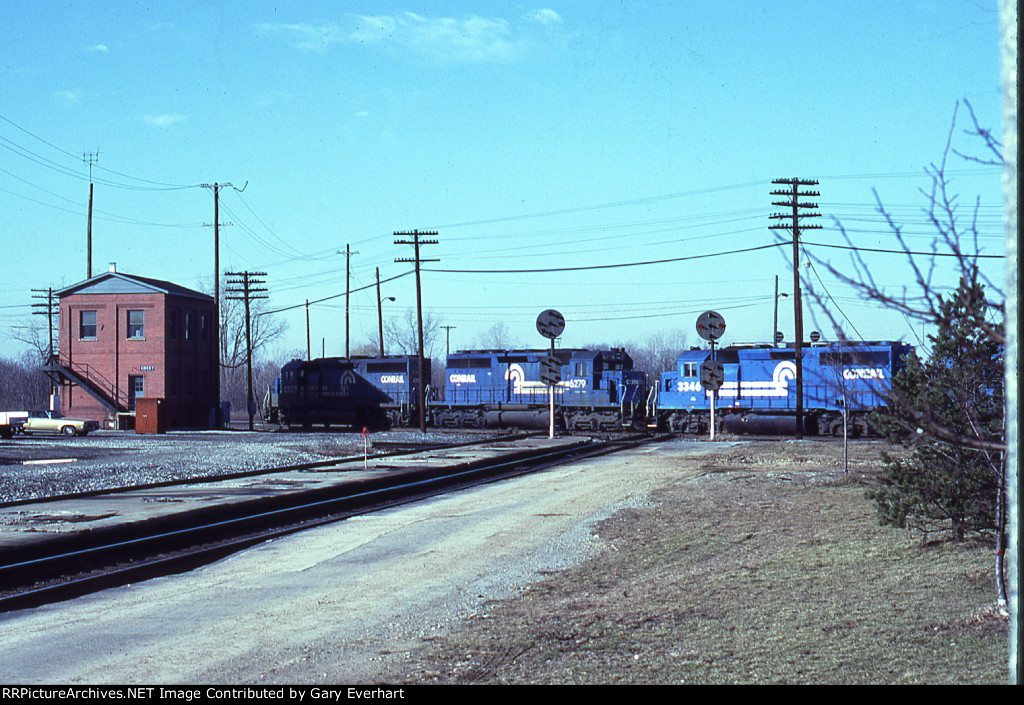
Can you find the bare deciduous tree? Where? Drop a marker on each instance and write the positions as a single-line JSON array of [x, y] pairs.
[[401, 334], [35, 334], [497, 337], [658, 351], [933, 413], [23, 384], [956, 241]]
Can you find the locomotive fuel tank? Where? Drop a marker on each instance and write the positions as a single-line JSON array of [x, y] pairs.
[[767, 424]]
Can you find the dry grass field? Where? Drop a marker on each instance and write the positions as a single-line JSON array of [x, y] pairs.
[[766, 565]]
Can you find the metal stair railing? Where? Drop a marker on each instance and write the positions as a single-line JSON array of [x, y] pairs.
[[91, 380]]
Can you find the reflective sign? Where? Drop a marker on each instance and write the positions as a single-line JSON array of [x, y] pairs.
[[710, 325], [550, 324], [712, 374], [550, 370]]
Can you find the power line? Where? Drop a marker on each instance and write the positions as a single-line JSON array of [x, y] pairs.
[[604, 266], [601, 206], [334, 296], [904, 252], [835, 303], [43, 161]]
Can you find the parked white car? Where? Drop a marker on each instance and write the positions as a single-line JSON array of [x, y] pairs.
[[11, 422], [41, 421]]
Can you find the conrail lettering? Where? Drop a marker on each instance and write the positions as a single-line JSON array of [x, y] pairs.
[[392, 379], [864, 373], [456, 378]]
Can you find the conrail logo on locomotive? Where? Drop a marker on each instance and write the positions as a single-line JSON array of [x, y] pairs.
[[392, 379], [520, 385]]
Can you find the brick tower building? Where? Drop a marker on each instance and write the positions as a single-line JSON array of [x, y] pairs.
[[124, 337]]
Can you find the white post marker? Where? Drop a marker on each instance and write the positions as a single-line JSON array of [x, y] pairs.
[[712, 374], [551, 375], [551, 403], [366, 446], [711, 421]]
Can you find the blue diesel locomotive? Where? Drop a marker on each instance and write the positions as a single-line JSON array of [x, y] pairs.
[[758, 394], [360, 391], [398, 377], [599, 390]]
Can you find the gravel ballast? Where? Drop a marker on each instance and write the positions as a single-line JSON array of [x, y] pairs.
[[44, 466]]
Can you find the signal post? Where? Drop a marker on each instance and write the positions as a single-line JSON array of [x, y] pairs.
[[550, 324], [711, 326]]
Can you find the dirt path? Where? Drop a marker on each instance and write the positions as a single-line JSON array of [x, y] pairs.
[[766, 566]]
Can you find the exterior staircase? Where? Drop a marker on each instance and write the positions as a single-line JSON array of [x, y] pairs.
[[89, 379]]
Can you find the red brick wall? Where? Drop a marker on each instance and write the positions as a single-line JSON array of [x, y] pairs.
[[176, 366]]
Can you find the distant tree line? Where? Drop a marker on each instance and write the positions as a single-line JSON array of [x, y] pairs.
[[23, 384]]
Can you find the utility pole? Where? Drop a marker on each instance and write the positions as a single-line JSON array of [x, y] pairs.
[[216, 279], [775, 318], [795, 226], [348, 262], [249, 291], [380, 313], [416, 242], [48, 309], [448, 339], [216, 244], [89, 158], [308, 356], [775, 325]]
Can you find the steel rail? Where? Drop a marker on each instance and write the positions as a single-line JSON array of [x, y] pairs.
[[209, 479]]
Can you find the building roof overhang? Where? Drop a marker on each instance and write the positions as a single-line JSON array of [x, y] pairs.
[[120, 283]]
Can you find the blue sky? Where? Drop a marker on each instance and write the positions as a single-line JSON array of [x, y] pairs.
[[530, 137]]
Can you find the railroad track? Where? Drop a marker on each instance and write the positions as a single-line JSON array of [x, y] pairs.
[[33, 577], [384, 449]]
